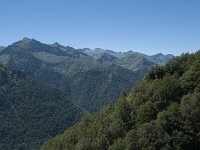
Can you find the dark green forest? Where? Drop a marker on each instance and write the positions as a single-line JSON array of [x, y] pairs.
[[32, 111], [162, 112]]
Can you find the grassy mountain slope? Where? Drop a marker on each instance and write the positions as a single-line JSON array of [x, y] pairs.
[[31, 111], [162, 112]]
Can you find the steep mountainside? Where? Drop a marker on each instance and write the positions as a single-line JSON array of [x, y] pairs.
[[162, 112], [78, 75], [31, 111], [94, 88]]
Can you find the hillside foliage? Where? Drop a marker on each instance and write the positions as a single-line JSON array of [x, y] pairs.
[[32, 111], [162, 112]]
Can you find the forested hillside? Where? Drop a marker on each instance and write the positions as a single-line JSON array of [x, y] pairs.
[[162, 112], [31, 111], [86, 80]]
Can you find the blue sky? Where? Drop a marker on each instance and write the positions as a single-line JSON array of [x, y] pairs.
[[147, 26]]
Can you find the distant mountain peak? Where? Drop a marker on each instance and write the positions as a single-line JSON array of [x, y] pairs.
[[25, 39], [130, 51], [160, 58], [111, 51], [27, 43], [56, 44], [160, 54], [99, 49]]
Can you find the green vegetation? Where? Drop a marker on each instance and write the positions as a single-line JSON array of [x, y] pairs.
[[162, 112], [87, 81], [31, 111], [33, 108]]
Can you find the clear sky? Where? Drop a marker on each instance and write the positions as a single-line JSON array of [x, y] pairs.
[[147, 26]]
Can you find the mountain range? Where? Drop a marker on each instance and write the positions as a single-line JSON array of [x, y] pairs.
[[46, 88], [131, 60], [87, 76], [98, 53]]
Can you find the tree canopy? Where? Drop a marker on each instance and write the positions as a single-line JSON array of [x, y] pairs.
[[162, 112]]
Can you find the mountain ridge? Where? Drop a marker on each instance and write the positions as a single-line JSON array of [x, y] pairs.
[[99, 52], [69, 69]]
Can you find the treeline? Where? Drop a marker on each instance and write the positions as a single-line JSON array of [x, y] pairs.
[[162, 112]]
